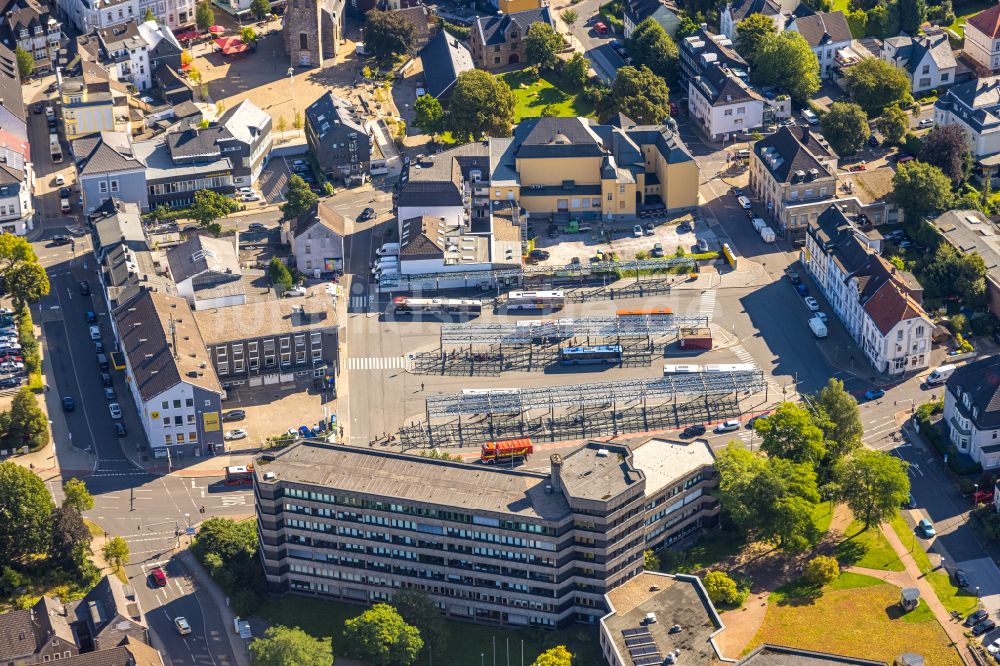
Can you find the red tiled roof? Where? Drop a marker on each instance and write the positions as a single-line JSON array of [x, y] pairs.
[[890, 305], [987, 21]]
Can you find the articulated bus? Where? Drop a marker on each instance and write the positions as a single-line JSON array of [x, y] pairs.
[[610, 354], [404, 305], [239, 476], [638, 313], [535, 300]]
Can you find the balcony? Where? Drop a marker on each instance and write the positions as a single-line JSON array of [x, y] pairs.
[[956, 424]]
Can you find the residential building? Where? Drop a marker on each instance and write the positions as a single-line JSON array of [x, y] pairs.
[[129, 653], [869, 194], [30, 25], [117, 222], [704, 48], [340, 138], [206, 272], [106, 167], [422, 19], [975, 107], [317, 240], [794, 174], [826, 33], [723, 104], [132, 51], [17, 175], [170, 375], [969, 231], [879, 305], [109, 615], [497, 41], [550, 545], [443, 59], [972, 410], [982, 40], [175, 14], [247, 141], [86, 15], [271, 342], [927, 59], [664, 12], [38, 634], [733, 13], [93, 102], [313, 30]]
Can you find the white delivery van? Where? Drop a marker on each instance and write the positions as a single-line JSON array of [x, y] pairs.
[[818, 327], [940, 374], [810, 117], [767, 233], [388, 249]]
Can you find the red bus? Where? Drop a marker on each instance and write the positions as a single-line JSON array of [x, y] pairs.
[[635, 313], [239, 475]]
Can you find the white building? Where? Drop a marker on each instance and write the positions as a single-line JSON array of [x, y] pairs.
[[317, 240], [927, 59], [176, 14], [975, 107], [971, 415], [734, 12], [982, 40], [17, 175], [723, 103], [879, 306], [826, 33], [207, 272], [87, 15]]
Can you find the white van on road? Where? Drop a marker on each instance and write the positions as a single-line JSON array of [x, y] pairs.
[[941, 374]]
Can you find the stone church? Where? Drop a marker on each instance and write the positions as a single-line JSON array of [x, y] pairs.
[[313, 30]]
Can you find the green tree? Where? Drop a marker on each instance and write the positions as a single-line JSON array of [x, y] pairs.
[[298, 198], [921, 189], [290, 646], [76, 496], [650, 45], [297, 120], [877, 85], [857, 21], [25, 62], [149, 15], [951, 275], [28, 423], [752, 33], [282, 125], [248, 34], [26, 507], [380, 636], [210, 206], [27, 282], [845, 126], [388, 34], [791, 433], [874, 484], [70, 542], [947, 148], [429, 114], [821, 570], [279, 274], [481, 105], [912, 13], [687, 27], [893, 124], [557, 656], [788, 62], [204, 16], [115, 552], [569, 17], [419, 610], [542, 44], [650, 561], [576, 70], [15, 250], [260, 9], [640, 95], [722, 589], [841, 419]]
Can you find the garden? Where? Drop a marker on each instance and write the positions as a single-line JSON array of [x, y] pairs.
[[545, 94]]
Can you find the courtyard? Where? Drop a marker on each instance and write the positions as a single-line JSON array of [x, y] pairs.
[[546, 94]]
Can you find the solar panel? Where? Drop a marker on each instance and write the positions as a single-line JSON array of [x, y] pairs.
[[650, 660], [638, 631], [637, 641], [642, 650]]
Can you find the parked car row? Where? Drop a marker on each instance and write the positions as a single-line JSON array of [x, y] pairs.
[[11, 361]]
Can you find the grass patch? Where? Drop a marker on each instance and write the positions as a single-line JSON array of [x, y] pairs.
[[907, 536], [922, 613], [465, 641], [876, 630], [546, 93], [968, 9], [711, 548], [822, 515], [868, 549], [953, 598], [95, 529]]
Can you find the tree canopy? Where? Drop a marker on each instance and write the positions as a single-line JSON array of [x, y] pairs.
[[204, 16], [20, 271], [541, 44], [576, 69], [260, 9], [210, 206], [70, 544], [722, 589], [951, 274], [380, 636], [841, 422], [290, 646], [76, 496], [641, 95], [26, 507], [25, 62], [912, 13], [845, 126], [557, 656], [298, 198], [279, 274], [876, 85], [787, 61], [752, 33], [947, 148], [481, 105], [921, 189], [790, 433], [419, 610], [429, 114], [893, 124], [116, 552], [28, 424], [388, 34], [874, 484], [650, 45]]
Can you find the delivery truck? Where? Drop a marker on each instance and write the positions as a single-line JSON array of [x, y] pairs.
[[758, 224], [509, 450], [767, 233], [940, 374], [818, 327]]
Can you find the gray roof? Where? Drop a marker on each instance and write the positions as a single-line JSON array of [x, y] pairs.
[[132, 653], [116, 221], [493, 29], [121, 36], [824, 28], [970, 231], [721, 87], [111, 609], [639, 10], [155, 155], [912, 50], [780, 655], [107, 152], [798, 149], [144, 325], [424, 238], [197, 143], [981, 380], [18, 638], [201, 253], [557, 137], [443, 59], [599, 470], [438, 178], [977, 102], [742, 9], [286, 316], [330, 112], [325, 216], [245, 121]]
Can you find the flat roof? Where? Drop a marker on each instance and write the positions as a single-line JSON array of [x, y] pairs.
[[386, 476], [664, 461], [300, 314], [155, 154], [598, 471]]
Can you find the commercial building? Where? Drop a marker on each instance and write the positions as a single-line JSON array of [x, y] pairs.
[[970, 231], [340, 139], [317, 240], [488, 544], [927, 59], [498, 41], [17, 175], [170, 375], [972, 410], [93, 102], [106, 167], [206, 271], [29, 25], [826, 33]]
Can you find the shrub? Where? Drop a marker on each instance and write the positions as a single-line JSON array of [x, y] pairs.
[[983, 323], [722, 589], [821, 570], [912, 144]]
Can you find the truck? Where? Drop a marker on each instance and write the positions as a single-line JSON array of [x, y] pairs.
[[388, 249], [818, 327], [55, 149], [758, 224], [767, 233], [940, 374], [508, 450]]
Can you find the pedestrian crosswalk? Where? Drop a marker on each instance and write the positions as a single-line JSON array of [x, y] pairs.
[[376, 363], [706, 305], [746, 357], [358, 302], [878, 431]]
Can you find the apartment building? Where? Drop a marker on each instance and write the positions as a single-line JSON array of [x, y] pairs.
[[734, 12], [17, 175], [972, 410], [317, 240], [664, 12], [30, 25], [927, 59], [86, 15], [93, 102], [340, 138], [107, 167], [975, 107], [488, 544], [132, 51], [982, 40], [175, 14], [206, 271], [879, 305], [826, 33], [723, 104]]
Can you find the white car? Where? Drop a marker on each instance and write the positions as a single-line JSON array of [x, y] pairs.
[[183, 628], [821, 316], [238, 433], [11, 366], [811, 303], [244, 190], [926, 122], [994, 647], [252, 196], [95, 333], [116, 410], [295, 291], [728, 426], [60, 180], [637, 231]]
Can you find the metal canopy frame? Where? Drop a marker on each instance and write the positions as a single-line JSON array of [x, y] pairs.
[[526, 331], [519, 272], [519, 401]]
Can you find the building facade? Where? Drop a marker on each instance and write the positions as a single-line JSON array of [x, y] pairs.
[[313, 30], [339, 138], [975, 107], [826, 33], [106, 167], [971, 415], [26, 23], [93, 102], [734, 12], [982, 40], [927, 59], [497, 41], [492, 545], [664, 12], [17, 176], [86, 15], [317, 241]]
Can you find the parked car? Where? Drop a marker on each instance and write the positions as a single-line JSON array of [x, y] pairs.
[[109, 393], [811, 303], [994, 647], [683, 228], [120, 430], [802, 289], [600, 28], [305, 431], [91, 317], [159, 577], [658, 250], [858, 167], [105, 379], [910, 503], [925, 122], [873, 141], [249, 198], [926, 529], [234, 415], [11, 366], [244, 190], [60, 180], [821, 316], [10, 382], [64, 192], [59, 239], [693, 431], [874, 394], [298, 290], [727, 426], [637, 231], [540, 255], [256, 226], [702, 245], [986, 625], [84, 288], [183, 628], [238, 433], [976, 617], [650, 229], [366, 214], [95, 332], [116, 410], [69, 404]]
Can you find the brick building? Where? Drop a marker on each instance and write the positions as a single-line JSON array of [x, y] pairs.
[[498, 41], [313, 30]]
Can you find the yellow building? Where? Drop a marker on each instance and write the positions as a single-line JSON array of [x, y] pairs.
[[94, 102], [511, 6], [571, 166]]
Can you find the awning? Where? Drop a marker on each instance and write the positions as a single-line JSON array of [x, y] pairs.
[[231, 45], [216, 29], [188, 36]]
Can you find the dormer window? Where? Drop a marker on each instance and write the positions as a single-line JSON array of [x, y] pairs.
[[975, 412], [967, 400]]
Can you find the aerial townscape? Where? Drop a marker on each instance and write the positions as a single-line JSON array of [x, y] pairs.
[[500, 332]]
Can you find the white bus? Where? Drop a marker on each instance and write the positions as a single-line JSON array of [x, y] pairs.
[[535, 300], [731, 367], [506, 391], [680, 369], [404, 304]]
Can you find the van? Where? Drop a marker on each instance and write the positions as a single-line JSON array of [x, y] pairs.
[[743, 154], [744, 202], [941, 374], [102, 361], [810, 117], [388, 249]]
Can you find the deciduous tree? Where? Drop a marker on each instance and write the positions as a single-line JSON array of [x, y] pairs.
[[149, 15], [429, 114], [877, 85], [27, 282], [752, 33], [641, 95], [542, 44], [417, 609], [557, 656], [204, 16], [821, 570], [893, 124], [380, 636], [947, 148], [298, 198], [722, 589], [569, 17], [788, 62], [260, 9], [26, 507], [388, 34], [650, 45], [921, 189], [248, 34], [791, 433], [290, 646], [25, 62], [116, 552], [481, 105], [874, 484], [70, 543], [76, 496], [279, 274], [210, 206], [576, 69], [841, 419], [28, 423], [912, 13], [845, 126]]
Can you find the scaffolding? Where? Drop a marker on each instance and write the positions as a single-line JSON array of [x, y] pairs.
[[479, 402], [528, 331]]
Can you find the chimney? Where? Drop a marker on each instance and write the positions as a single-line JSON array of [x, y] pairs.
[[555, 463]]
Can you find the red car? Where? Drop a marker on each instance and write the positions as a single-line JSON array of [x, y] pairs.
[[159, 577], [858, 167], [600, 28]]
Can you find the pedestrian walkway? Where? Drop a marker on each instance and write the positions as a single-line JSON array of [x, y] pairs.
[[746, 357], [359, 301], [377, 363], [706, 304]]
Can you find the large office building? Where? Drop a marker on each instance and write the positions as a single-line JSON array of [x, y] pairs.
[[488, 544]]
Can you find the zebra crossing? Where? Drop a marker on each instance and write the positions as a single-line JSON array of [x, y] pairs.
[[746, 357], [358, 302], [377, 363], [706, 304]]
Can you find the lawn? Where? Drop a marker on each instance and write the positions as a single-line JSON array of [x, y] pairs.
[[968, 9], [876, 629], [712, 547], [465, 642], [868, 549], [534, 94], [822, 516]]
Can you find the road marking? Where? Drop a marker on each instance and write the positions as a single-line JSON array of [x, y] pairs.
[[376, 363], [746, 357], [706, 304], [358, 302], [234, 501]]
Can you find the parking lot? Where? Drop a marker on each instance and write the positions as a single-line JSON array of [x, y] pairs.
[[272, 410]]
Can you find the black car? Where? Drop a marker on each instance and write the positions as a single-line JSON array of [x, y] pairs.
[[99, 347], [873, 141], [366, 214], [64, 192], [105, 379], [541, 255], [976, 617], [961, 579], [256, 226], [10, 382], [69, 404], [234, 415], [986, 625], [693, 431], [553, 231], [84, 288], [120, 430], [60, 240]]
